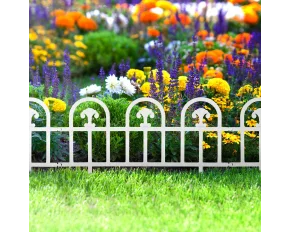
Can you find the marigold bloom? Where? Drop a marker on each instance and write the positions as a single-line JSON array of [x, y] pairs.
[[165, 75], [166, 5], [80, 44], [55, 104], [80, 54], [202, 34], [219, 85], [250, 14], [75, 15], [184, 19], [212, 73], [57, 13], [212, 57], [85, 7], [64, 21], [87, 24], [182, 80], [247, 89], [139, 74], [153, 32], [208, 44], [187, 68], [243, 38], [228, 57], [146, 5], [33, 36], [78, 37], [148, 17], [145, 88]]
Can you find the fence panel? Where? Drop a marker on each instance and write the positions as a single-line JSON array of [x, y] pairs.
[[145, 127]]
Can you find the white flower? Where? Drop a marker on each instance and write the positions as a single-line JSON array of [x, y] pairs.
[[126, 86], [89, 90], [113, 85], [83, 92]]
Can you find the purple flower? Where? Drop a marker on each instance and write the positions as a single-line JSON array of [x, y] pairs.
[[54, 81], [46, 77], [66, 75], [122, 68], [102, 74], [36, 78], [221, 26], [113, 71], [74, 94]]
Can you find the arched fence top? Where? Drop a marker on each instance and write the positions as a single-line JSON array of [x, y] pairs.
[[254, 114], [145, 99], [201, 112], [35, 114], [84, 112]]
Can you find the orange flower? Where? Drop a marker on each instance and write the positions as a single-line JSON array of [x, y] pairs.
[[251, 17], [202, 34], [122, 6], [243, 52], [228, 57], [187, 68], [57, 12], [212, 73], [147, 5], [236, 1], [184, 19], [243, 38], [75, 15], [85, 7], [152, 32], [64, 21], [87, 24], [212, 57], [208, 44], [148, 17]]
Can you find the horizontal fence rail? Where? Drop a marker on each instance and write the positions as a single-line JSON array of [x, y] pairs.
[[145, 127]]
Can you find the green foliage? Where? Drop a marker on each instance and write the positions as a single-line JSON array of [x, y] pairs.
[[106, 48], [117, 110]]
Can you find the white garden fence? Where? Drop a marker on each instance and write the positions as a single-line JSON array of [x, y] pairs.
[[145, 127]]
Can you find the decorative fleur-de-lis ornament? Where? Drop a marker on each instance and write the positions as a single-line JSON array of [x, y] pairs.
[[90, 113], [145, 112], [200, 113], [32, 113], [256, 113]]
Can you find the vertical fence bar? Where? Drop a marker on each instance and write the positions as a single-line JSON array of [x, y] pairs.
[[90, 155], [48, 144], [242, 144], [108, 146], [145, 145], [260, 162], [182, 148], [163, 145], [219, 156], [127, 144], [200, 168], [30, 148]]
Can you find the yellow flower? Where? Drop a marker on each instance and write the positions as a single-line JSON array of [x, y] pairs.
[[182, 80], [80, 44], [211, 135], [52, 46], [145, 88], [166, 5], [251, 123], [224, 103], [43, 58], [38, 47], [165, 74], [80, 54], [205, 145], [47, 41], [244, 90], [58, 63], [166, 108], [33, 36], [78, 37], [257, 92], [139, 74], [219, 85], [86, 62], [74, 57], [66, 41], [251, 135], [229, 138], [55, 104]]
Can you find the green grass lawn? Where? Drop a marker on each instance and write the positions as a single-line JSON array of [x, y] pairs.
[[139, 200]]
